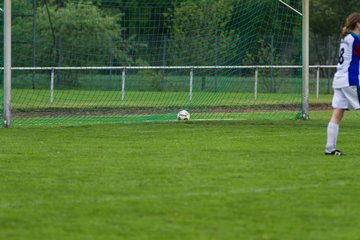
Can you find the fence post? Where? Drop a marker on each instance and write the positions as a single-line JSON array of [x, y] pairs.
[[317, 82], [52, 86], [191, 84], [256, 83], [123, 85]]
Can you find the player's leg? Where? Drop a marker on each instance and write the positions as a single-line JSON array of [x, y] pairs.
[[333, 131], [344, 98], [340, 104]]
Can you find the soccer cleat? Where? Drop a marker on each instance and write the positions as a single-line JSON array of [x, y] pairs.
[[335, 153]]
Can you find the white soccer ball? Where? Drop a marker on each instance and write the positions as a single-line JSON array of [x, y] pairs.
[[183, 115]]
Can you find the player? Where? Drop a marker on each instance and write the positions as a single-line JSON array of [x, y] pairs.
[[346, 80]]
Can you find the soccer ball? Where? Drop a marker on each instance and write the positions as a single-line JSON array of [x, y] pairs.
[[183, 115]]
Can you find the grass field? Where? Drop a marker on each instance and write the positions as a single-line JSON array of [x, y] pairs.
[[104, 103], [180, 180], [27, 99], [70, 107]]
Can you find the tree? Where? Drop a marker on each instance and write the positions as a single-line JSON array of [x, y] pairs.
[[145, 23], [326, 19], [200, 33], [67, 36]]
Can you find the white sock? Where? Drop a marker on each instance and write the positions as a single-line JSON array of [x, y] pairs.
[[332, 134]]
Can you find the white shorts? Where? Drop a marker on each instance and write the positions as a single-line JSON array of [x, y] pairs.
[[346, 98]]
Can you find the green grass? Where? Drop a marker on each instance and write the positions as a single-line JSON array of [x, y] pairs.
[[180, 180], [25, 99], [31, 106], [70, 107], [149, 80], [75, 106], [28, 99]]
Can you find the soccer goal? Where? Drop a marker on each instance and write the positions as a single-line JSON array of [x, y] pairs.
[[77, 61]]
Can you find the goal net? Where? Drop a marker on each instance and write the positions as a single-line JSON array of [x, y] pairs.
[[102, 61]]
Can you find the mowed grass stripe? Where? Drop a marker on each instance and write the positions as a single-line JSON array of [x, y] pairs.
[[180, 180]]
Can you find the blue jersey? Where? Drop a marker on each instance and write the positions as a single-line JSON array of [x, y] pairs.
[[348, 68]]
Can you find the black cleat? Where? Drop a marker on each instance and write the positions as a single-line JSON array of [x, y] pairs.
[[335, 153]]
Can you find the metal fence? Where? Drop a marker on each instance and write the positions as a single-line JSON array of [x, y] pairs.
[[191, 69]]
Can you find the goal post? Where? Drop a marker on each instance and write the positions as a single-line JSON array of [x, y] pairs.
[[124, 61], [305, 54], [7, 62], [305, 59]]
